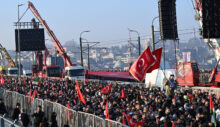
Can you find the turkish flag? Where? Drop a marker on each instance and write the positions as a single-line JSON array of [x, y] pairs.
[[107, 89], [133, 123], [143, 63], [1, 80], [157, 53], [122, 94], [81, 98]]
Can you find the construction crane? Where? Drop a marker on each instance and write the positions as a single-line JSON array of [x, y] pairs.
[[71, 71], [11, 70], [7, 56]]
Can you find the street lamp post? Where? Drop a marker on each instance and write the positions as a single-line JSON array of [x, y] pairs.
[[139, 41], [88, 57], [152, 28], [81, 52], [19, 46]]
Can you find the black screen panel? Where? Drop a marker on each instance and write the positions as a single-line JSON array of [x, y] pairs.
[[30, 39]]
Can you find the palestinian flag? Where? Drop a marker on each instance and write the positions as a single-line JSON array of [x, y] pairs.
[[212, 111], [34, 95], [149, 85]]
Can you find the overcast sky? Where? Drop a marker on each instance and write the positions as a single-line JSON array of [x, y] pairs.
[[108, 20]]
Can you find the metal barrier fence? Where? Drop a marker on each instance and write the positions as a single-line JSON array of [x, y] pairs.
[[64, 115], [4, 122]]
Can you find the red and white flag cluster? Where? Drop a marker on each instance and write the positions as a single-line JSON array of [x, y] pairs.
[[146, 63]]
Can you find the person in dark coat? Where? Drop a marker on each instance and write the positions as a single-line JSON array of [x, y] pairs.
[[38, 116], [53, 119], [2, 108], [24, 119], [44, 123], [16, 111]]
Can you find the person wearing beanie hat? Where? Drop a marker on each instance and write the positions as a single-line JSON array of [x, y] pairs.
[[170, 85]]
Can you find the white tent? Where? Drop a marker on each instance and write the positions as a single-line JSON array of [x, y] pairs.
[[157, 77]]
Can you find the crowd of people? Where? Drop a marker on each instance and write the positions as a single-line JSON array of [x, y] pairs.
[[153, 106]]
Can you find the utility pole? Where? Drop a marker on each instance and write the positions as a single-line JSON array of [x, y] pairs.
[[139, 40], [88, 48], [19, 46], [153, 39], [80, 41], [129, 48], [88, 57], [152, 29], [139, 45], [81, 53]]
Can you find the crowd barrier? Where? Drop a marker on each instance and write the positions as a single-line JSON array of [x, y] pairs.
[[64, 115], [4, 122]]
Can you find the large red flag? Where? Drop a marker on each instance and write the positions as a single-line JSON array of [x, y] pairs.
[[157, 53], [143, 63], [106, 111], [107, 89], [81, 98]]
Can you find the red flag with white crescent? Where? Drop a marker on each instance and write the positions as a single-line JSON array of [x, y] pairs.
[[157, 53], [107, 89], [133, 123], [143, 63]]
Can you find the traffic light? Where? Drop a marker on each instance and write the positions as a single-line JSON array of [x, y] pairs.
[[167, 17], [211, 18]]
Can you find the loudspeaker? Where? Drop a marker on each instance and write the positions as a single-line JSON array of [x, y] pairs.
[[167, 19], [211, 18]]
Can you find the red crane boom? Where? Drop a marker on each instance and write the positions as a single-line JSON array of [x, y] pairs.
[[56, 42]]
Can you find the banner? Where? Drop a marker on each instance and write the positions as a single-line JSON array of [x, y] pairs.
[[186, 56]]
